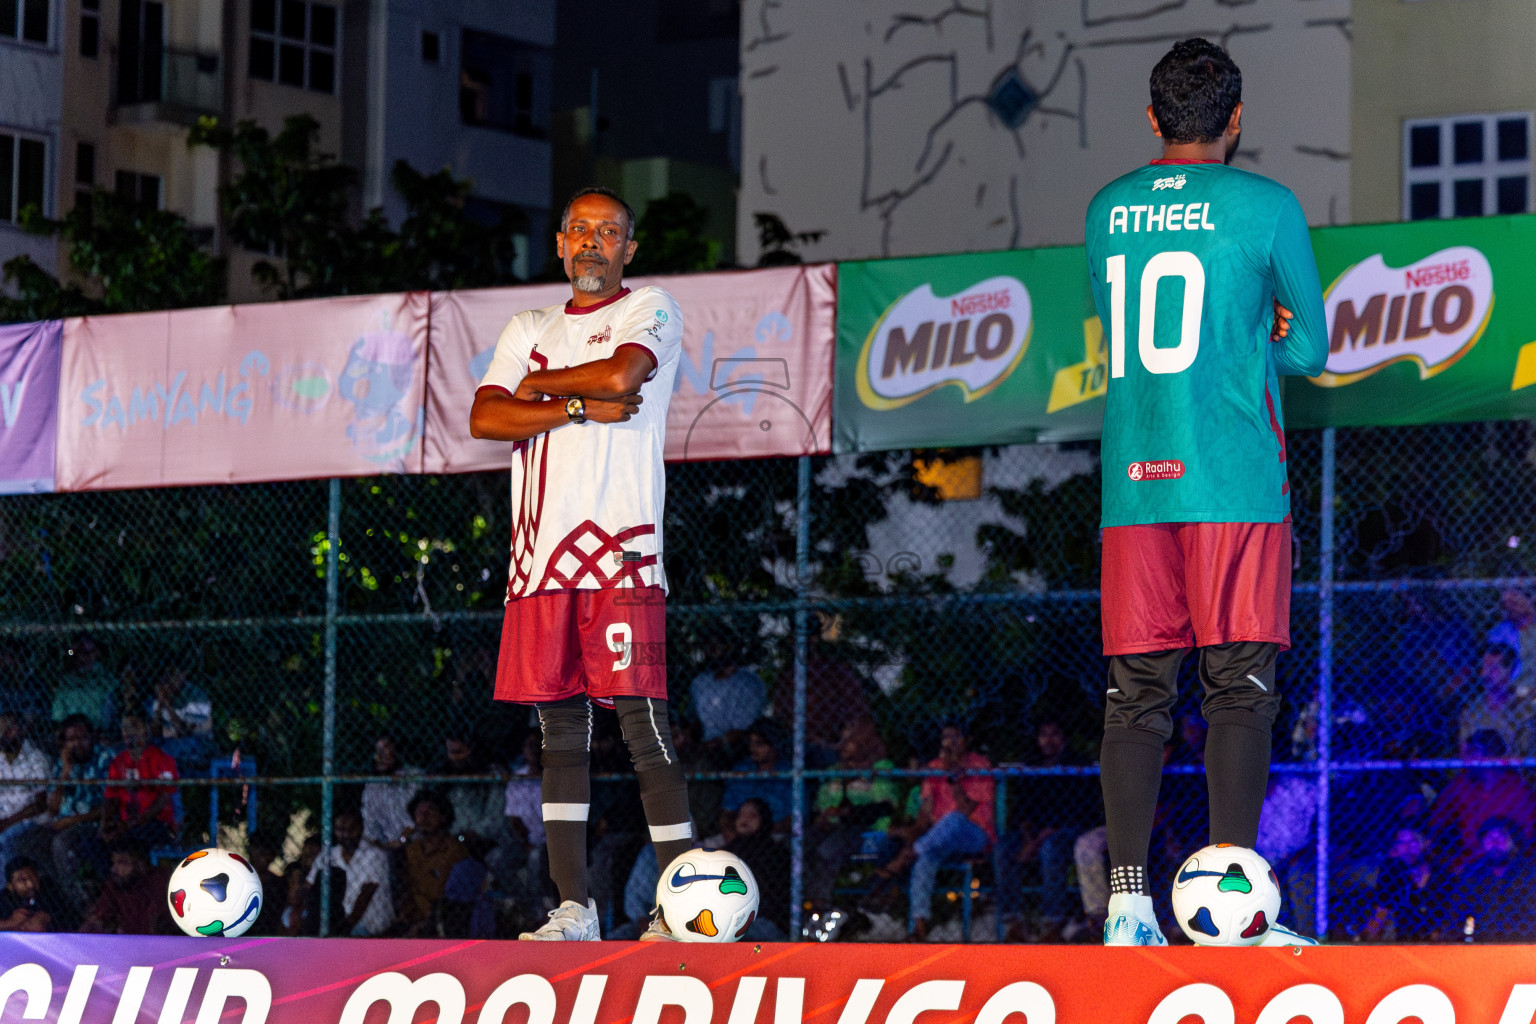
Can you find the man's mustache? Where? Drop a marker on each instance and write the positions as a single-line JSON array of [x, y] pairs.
[[590, 257]]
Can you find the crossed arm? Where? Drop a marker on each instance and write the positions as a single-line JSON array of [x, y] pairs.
[[610, 388]]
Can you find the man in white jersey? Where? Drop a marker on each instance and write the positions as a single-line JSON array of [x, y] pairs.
[[582, 391]]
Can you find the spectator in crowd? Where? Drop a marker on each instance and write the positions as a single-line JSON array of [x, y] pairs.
[[768, 858], [1054, 811], [1494, 704], [521, 870], [955, 819], [133, 900], [1475, 795], [301, 913], [705, 796], [834, 694], [21, 807], [72, 836], [1432, 646], [479, 808], [846, 809], [1410, 900], [145, 813], [1517, 631], [386, 821], [1091, 854], [181, 718], [24, 906], [727, 699], [430, 856], [1495, 894], [366, 902], [88, 688], [765, 741], [262, 853], [1286, 840]]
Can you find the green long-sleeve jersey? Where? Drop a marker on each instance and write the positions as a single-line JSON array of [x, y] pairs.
[[1185, 259]]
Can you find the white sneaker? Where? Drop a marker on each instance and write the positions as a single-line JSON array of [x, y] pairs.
[[657, 930], [1279, 935], [1132, 922], [569, 922]]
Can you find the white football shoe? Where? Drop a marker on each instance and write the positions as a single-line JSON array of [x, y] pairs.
[[657, 930], [1279, 935], [1132, 922], [569, 922]]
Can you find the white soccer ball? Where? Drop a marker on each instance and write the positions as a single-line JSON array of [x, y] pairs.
[[1226, 895], [214, 893], [707, 896]]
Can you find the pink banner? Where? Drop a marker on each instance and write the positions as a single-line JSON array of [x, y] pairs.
[[233, 394], [755, 379]]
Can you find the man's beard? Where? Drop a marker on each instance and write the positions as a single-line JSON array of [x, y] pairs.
[[588, 275]]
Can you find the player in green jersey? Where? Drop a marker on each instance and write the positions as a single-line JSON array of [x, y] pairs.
[[1192, 261]]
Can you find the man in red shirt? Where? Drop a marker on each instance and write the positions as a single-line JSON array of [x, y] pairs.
[[147, 813]]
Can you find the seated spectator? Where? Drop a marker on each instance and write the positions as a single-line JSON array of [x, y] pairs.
[[764, 742], [262, 853], [181, 718], [1494, 704], [21, 807], [1475, 795], [144, 813], [1409, 896], [88, 688], [1495, 895], [430, 856], [478, 807], [727, 699], [955, 819], [835, 694], [1518, 632], [24, 906], [366, 902], [385, 818], [769, 860], [72, 836], [133, 900], [302, 910], [705, 796], [845, 809], [521, 869]]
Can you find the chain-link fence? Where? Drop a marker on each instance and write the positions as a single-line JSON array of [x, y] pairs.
[[320, 654]]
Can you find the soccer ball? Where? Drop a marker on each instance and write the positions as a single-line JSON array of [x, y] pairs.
[[707, 896], [214, 893], [1226, 895]]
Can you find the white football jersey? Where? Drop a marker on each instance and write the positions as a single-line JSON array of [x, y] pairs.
[[587, 497]]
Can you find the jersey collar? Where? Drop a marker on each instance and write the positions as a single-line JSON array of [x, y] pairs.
[[573, 310], [1157, 163]]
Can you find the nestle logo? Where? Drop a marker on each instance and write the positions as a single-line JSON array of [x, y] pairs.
[[985, 302], [1168, 469]]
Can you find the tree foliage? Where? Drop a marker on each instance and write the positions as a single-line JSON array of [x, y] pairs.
[[672, 238]]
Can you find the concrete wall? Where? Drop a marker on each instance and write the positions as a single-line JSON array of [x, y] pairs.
[[1430, 58], [868, 121]]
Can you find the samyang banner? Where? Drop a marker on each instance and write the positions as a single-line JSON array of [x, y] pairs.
[[99, 979], [29, 405], [238, 394], [755, 378], [985, 348], [1428, 322]]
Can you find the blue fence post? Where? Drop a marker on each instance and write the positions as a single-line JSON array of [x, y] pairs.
[[802, 638], [1324, 677], [328, 713]]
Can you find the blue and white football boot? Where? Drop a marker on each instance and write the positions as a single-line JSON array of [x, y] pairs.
[[1280, 935], [1132, 922]]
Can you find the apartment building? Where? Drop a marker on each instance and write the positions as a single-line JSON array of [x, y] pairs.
[[31, 99]]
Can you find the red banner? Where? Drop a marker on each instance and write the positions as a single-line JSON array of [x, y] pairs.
[[79, 979]]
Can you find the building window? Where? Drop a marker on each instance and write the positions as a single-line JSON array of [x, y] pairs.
[[26, 20], [504, 84], [90, 28], [1475, 165], [143, 189], [85, 173], [431, 47], [23, 175], [294, 43]]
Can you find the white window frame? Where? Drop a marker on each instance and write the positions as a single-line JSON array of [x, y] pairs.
[[13, 33], [1489, 170], [278, 41], [18, 136]]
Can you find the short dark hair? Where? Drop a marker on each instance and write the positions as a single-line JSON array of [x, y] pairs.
[[16, 864], [70, 721], [436, 799], [1195, 88], [606, 193]]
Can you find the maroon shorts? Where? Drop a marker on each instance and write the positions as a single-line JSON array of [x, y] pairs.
[[1171, 585], [602, 643]]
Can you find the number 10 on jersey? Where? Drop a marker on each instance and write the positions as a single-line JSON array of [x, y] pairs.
[[1179, 357]]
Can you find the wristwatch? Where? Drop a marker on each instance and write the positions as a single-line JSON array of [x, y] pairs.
[[576, 409]]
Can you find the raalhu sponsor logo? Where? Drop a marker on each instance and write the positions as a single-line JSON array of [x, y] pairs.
[[1431, 312], [972, 340], [1167, 469]]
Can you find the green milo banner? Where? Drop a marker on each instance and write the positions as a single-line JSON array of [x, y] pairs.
[[1428, 322]]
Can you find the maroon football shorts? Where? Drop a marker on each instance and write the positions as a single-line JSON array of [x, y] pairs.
[[603, 643], [1166, 586]]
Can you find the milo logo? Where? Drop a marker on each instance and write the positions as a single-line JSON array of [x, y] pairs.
[[1431, 312], [972, 340]]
